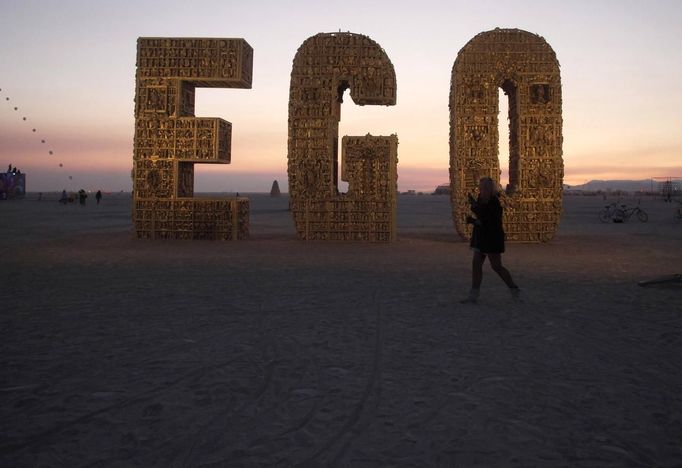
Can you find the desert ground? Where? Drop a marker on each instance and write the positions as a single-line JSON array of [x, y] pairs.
[[117, 352]]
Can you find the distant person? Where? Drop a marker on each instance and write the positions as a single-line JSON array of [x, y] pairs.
[[64, 199], [98, 196], [82, 196], [9, 169], [487, 239], [40, 196]]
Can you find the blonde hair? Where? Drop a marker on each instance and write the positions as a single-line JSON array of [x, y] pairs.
[[489, 182]]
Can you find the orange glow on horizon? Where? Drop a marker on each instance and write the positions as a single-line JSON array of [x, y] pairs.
[[621, 120]]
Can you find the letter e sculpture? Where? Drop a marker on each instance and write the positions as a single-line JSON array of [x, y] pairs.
[[169, 140]]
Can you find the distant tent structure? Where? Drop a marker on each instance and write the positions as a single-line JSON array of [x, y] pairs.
[[442, 189], [274, 191]]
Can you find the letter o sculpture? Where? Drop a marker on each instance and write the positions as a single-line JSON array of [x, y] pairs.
[[526, 68]]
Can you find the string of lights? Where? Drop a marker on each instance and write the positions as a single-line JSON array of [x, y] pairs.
[[43, 141]]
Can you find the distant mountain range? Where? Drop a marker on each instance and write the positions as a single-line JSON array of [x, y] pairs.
[[623, 185], [645, 185]]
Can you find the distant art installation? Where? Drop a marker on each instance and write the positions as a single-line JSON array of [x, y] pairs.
[[526, 68], [274, 191], [12, 185], [324, 67], [169, 140]]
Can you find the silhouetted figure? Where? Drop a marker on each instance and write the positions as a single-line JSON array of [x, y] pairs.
[[82, 196], [65, 198], [98, 196], [9, 169], [487, 239]]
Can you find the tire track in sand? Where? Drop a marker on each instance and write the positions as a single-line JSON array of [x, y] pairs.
[[337, 445]]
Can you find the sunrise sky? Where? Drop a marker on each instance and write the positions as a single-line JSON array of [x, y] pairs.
[[69, 68]]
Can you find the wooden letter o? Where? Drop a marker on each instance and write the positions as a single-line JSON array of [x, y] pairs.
[[526, 68]]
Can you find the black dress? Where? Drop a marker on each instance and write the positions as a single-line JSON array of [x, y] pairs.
[[488, 234]]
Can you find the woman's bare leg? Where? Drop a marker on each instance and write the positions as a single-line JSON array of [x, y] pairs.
[[476, 277], [477, 270], [496, 264]]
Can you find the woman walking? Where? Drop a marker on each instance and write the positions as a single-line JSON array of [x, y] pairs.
[[487, 239]]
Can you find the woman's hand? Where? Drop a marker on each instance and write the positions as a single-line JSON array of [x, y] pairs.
[[472, 220]]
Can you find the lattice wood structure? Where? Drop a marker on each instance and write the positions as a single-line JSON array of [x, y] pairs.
[[526, 68], [169, 140], [323, 68]]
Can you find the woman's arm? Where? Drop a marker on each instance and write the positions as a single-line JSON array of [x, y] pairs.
[[488, 213]]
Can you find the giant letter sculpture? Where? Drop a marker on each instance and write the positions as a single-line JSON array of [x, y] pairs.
[[324, 67], [169, 140], [526, 68]]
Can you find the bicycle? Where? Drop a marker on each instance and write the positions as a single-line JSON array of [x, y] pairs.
[[624, 213], [606, 215]]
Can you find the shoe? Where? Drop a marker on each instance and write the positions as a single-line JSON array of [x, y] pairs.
[[472, 298]]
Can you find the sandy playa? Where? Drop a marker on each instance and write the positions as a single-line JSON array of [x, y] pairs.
[[274, 352]]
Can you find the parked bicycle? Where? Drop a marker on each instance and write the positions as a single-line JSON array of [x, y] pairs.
[[606, 215], [624, 213], [620, 213]]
